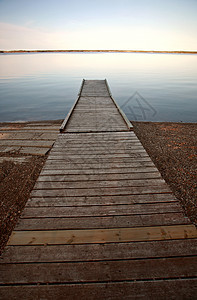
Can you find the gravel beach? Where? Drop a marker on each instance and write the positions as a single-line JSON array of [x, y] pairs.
[[173, 149]]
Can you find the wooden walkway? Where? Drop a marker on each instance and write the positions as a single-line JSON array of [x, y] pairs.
[[101, 223], [33, 138]]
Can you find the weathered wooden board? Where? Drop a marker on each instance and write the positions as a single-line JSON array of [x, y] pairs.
[[98, 136], [76, 154], [87, 145], [99, 184], [21, 131], [111, 210], [96, 222], [99, 160], [81, 166], [23, 159], [27, 143], [95, 151], [88, 172], [121, 135], [130, 142], [26, 135], [166, 289], [100, 191], [99, 252], [103, 235], [124, 270], [95, 177], [100, 200]]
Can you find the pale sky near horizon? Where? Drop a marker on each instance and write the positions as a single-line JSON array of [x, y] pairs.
[[98, 24]]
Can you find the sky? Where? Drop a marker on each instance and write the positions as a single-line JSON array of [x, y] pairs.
[[98, 24]]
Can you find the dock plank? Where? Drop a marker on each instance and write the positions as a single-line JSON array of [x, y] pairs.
[[93, 236], [95, 177], [100, 191], [111, 210], [166, 289], [89, 172], [100, 200], [98, 222], [99, 184], [100, 252], [124, 270]]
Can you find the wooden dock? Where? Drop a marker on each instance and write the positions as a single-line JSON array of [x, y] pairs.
[[101, 223]]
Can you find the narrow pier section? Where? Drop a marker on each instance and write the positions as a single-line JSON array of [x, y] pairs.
[[101, 222], [95, 111]]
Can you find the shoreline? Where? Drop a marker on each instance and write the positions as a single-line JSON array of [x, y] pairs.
[[61, 120], [98, 51]]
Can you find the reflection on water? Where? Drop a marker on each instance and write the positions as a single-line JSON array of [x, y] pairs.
[[156, 87]]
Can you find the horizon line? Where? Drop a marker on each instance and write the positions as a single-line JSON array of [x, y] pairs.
[[116, 51]]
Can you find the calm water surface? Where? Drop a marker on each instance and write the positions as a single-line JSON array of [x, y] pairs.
[[148, 87]]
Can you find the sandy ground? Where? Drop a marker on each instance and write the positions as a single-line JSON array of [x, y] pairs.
[[172, 147]]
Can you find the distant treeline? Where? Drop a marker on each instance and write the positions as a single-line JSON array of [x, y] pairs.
[[104, 51]]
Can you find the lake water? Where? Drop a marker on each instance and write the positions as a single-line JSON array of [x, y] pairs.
[[148, 87]]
